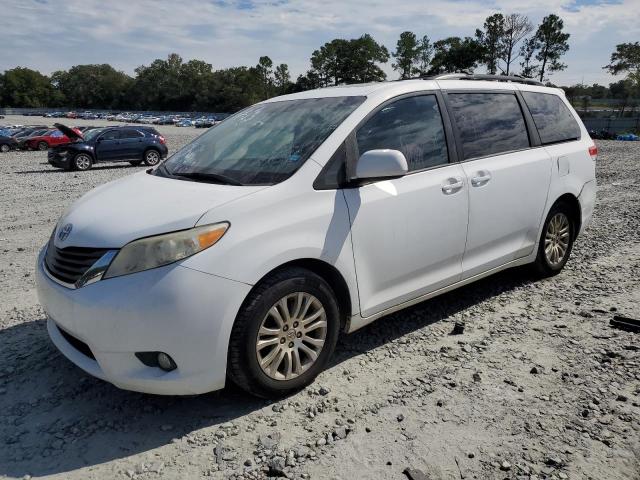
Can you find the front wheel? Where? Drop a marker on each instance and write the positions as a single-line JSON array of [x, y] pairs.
[[556, 241], [151, 157], [82, 162], [284, 334], [4, 148]]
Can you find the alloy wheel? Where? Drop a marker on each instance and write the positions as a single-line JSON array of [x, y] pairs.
[[152, 157], [4, 148], [556, 240], [291, 336], [83, 162]]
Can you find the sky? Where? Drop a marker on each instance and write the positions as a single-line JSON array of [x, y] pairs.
[[50, 35]]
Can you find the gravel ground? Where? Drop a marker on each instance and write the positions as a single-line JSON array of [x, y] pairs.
[[537, 386]]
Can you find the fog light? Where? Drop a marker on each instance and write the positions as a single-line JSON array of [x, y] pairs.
[[165, 362]]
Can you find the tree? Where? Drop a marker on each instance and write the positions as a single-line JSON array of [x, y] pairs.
[[527, 51], [265, 72], [282, 78], [407, 55], [454, 54], [626, 59], [552, 44], [424, 55], [491, 40], [92, 86], [23, 87], [349, 61], [516, 28]]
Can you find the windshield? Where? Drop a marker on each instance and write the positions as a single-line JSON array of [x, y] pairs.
[[263, 144]]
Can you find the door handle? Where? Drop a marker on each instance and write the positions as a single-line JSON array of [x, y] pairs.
[[482, 178], [452, 185]]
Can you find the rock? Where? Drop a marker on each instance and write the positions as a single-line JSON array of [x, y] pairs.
[[324, 391], [269, 441], [276, 466], [476, 377], [400, 417], [534, 371], [458, 328], [621, 398], [505, 466]]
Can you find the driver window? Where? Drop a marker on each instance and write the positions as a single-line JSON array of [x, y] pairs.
[[412, 125], [110, 135]]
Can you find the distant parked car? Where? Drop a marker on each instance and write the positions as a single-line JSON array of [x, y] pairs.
[[205, 122], [7, 143], [53, 138], [23, 137], [110, 144], [185, 122]]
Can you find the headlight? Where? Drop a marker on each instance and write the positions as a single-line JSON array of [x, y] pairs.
[[153, 252]]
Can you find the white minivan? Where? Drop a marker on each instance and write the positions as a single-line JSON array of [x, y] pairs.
[[250, 250]]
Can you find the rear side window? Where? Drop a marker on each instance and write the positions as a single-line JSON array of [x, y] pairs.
[[488, 123], [554, 121], [412, 125], [130, 134]]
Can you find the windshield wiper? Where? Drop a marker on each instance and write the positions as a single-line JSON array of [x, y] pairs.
[[208, 177]]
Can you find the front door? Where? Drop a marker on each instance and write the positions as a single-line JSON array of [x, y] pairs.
[[108, 146], [408, 233]]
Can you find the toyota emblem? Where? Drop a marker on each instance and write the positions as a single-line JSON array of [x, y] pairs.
[[64, 232]]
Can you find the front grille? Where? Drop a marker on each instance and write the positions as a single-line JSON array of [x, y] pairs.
[[77, 344], [70, 263]]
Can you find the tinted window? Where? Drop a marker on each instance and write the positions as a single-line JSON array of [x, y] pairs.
[[110, 135], [412, 125], [130, 134], [488, 123], [552, 117]]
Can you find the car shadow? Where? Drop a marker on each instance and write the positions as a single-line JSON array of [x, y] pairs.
[[54, 418]]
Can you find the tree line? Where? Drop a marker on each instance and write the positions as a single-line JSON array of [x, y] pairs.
[[506, 44]]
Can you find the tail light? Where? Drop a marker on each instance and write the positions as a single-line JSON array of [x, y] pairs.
[[593, 151], [163, 140]]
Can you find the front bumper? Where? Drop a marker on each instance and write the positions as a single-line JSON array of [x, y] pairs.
[[173, 309]]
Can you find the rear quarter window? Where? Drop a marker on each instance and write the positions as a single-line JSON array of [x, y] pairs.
[[554, 121]]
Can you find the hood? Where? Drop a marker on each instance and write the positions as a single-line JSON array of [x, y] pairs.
[[142, 205], [71, 133]]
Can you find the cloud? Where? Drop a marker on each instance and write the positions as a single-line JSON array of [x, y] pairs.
[[52, 35]]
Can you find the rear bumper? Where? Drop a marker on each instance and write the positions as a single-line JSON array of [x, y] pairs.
[[173, 309]]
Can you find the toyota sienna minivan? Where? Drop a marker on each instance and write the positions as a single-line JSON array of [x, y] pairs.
[[307, 216]]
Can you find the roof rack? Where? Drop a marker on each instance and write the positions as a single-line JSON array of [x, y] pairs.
[[492, 78]]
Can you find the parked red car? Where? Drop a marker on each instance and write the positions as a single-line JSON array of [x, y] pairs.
[[52, 138]]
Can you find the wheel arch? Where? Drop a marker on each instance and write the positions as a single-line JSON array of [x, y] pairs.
[[573, 204], [329, 274]]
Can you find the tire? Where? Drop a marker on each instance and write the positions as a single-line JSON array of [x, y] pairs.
[[556, 241], [295, 287], [42, 146], [152, 157], [135, 163], [4, 148], [82, 162]]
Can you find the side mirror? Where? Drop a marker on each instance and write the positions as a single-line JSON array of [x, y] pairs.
[[381, 164]]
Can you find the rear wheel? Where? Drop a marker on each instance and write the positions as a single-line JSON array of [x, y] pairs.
[[151, 157], [82, 162], [556, 241], [4, 148], [284, 335], [43, 146]]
